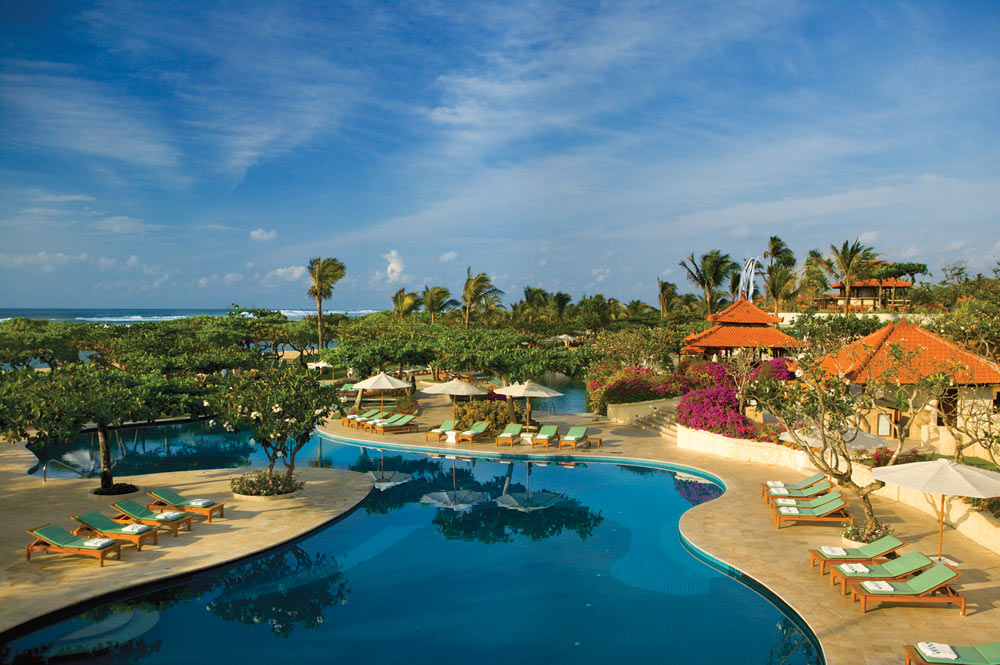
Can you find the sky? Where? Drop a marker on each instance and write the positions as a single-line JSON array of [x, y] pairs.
[[199, 154]]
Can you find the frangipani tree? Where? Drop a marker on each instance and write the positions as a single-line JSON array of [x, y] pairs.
[[280, 408]]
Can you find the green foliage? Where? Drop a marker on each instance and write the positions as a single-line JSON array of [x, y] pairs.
[[405, 404], [27, 341], [495, 412], [834, 330], [261, 483]]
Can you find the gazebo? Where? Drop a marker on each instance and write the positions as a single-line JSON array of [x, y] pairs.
[[742, 325]]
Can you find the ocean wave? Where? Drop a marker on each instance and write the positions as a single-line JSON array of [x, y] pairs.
[[296, 313], [134, 318]]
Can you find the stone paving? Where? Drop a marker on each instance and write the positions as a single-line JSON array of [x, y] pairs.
[[50, 582]]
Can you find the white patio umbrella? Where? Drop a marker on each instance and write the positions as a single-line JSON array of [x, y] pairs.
[[455, 387], [381, 382], [944, 477], [527, 390], [321, 364]]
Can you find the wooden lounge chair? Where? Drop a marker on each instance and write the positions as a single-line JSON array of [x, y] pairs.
[[400, 425], [815, 502], [98, 524], [439, 433], [167, 499], [474, 433], [924, 588], [873, 552], [369, 424], [800, 485], [927, 653], [832, 511], [800, 495], [360, 422], [132, 512], [894, 569], [510, 435], [348, 420], [55, 539], [577, 436], [546, 434]]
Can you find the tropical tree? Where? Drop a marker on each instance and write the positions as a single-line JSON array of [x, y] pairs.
[[478, 291], [405, 302], [667, 296], [637, 308], [779, 284], [709, 273], [849, 263], [323, 274], [560, 301], [779, 254], [438, 300]]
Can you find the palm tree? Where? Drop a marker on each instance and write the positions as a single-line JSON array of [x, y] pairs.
[[404, 303], [323, 274], [709, 273], [779, 283], [438, 300], [778, 253], [850, 262], [560, 301], [478, 291], [667, 296], [636, 308], [536, 300]]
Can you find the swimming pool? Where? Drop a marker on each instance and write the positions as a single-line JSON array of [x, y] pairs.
[[597, 574]]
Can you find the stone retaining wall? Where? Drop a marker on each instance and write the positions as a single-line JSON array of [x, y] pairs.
[[629, 413]]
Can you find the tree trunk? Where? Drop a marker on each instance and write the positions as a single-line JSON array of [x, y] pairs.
[[270, 465], [107, 480], [847, 295], [708, 302], [357, 400], [319, 324]]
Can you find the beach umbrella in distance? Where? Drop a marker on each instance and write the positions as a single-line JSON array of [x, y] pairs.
[[527, 390], [944, 477], [381, 382], [455, 387]]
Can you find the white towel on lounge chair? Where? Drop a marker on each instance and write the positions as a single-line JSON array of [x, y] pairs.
[[168, 515], [541, 436], [853, 568], [778, 490], [937, 650], [468, 432], [830, 550], [136, 528], [200, 503], [872, 585], [775, 483], [98, 542], [788, 510], [785, 502], [569, 438]]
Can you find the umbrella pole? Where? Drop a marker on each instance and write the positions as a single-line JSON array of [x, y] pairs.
[[454, 399], [941, 530], [527, 411]]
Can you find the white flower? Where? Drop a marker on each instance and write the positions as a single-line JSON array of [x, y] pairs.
[[318, 411], [254, 415], [798, 372], [204, 403], [801, 356], [276, 408]]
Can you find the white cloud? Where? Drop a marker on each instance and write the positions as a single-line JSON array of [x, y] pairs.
[[62, 198], [104, 263], [126, 226], [394, 269], [448, 256], [261, 235], [44, 261], [869, 236], [284, 275], [232, 278], [217, 227], [44, 211], [543, 263], [600, 274]]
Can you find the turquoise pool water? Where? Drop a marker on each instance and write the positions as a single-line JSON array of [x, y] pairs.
[[598, 574]]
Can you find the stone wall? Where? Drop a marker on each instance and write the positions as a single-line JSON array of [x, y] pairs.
[[977, 526], [629, 413]]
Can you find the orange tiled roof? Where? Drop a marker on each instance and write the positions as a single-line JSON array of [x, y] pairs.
[[736, 337], [869, 357], [743, 311], [886, 283]]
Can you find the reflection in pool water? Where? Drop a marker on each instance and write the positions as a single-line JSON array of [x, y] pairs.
[[598, 575]]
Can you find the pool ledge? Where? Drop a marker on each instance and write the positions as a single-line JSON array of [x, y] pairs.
[[51, 583]]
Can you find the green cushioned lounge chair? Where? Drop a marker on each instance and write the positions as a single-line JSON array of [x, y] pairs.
[[55, 539], [800, 485], [99, 524], [923, 654], [808, 493], [368, 424], [347, 420], [167, 499], [933, 586], [402, 424], [894, 569], [546, 434], [577, 436], [474, 433], [881, 549], [815, 502], [834, 511], [360, 423], [510, 435], [440, 432], [132, 512]]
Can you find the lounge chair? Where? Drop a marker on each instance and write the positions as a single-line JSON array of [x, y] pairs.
[[360, 422], [369, 424], [546, 434], [347, 420], [921, 589], [800, 495], [99, 524], [55, 539], [894, 569], [474, 433], [400, 425], [131, 512], [440, 432], [577, 436], [832, 511], [167, 499], [814, 502], [883, 548], [929, 653], [510, 435], [800, 485]]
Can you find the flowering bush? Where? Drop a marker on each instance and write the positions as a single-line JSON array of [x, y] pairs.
[[863, 533], [715, 410], [776, 368], [769, 433], [991, 506], [632, 384], [259, 483], [881, 457], [705, 374]]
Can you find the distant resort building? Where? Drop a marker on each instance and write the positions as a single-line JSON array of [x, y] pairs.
[[742, 325], [868, 295]]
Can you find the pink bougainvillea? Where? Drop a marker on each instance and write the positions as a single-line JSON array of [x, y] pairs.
[[715, 410], [776, 368]]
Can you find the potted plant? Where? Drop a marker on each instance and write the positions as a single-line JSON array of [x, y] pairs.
[[857, 535]]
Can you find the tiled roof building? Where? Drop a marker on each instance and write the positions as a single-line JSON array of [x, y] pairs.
[[739, 326]]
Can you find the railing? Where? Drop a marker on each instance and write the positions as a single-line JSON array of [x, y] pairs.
[[45, 469]]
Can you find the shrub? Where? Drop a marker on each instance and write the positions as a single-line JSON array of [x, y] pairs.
[[495, 413], [863, 534], [715, 410], [632, 384], [257, 483], [705, 374], [776, 368], [770, 432], [881, 457], [406, 404], [991, 506], [117, 488]]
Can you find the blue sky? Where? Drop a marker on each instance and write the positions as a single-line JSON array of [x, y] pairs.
[[198, 154]]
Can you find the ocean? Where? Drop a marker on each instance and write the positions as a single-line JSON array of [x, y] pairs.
[[139, 314]]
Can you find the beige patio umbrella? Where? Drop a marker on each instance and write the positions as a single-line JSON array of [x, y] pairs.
[[381, 382], [455, 387], [527, 390], [944, 477]]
